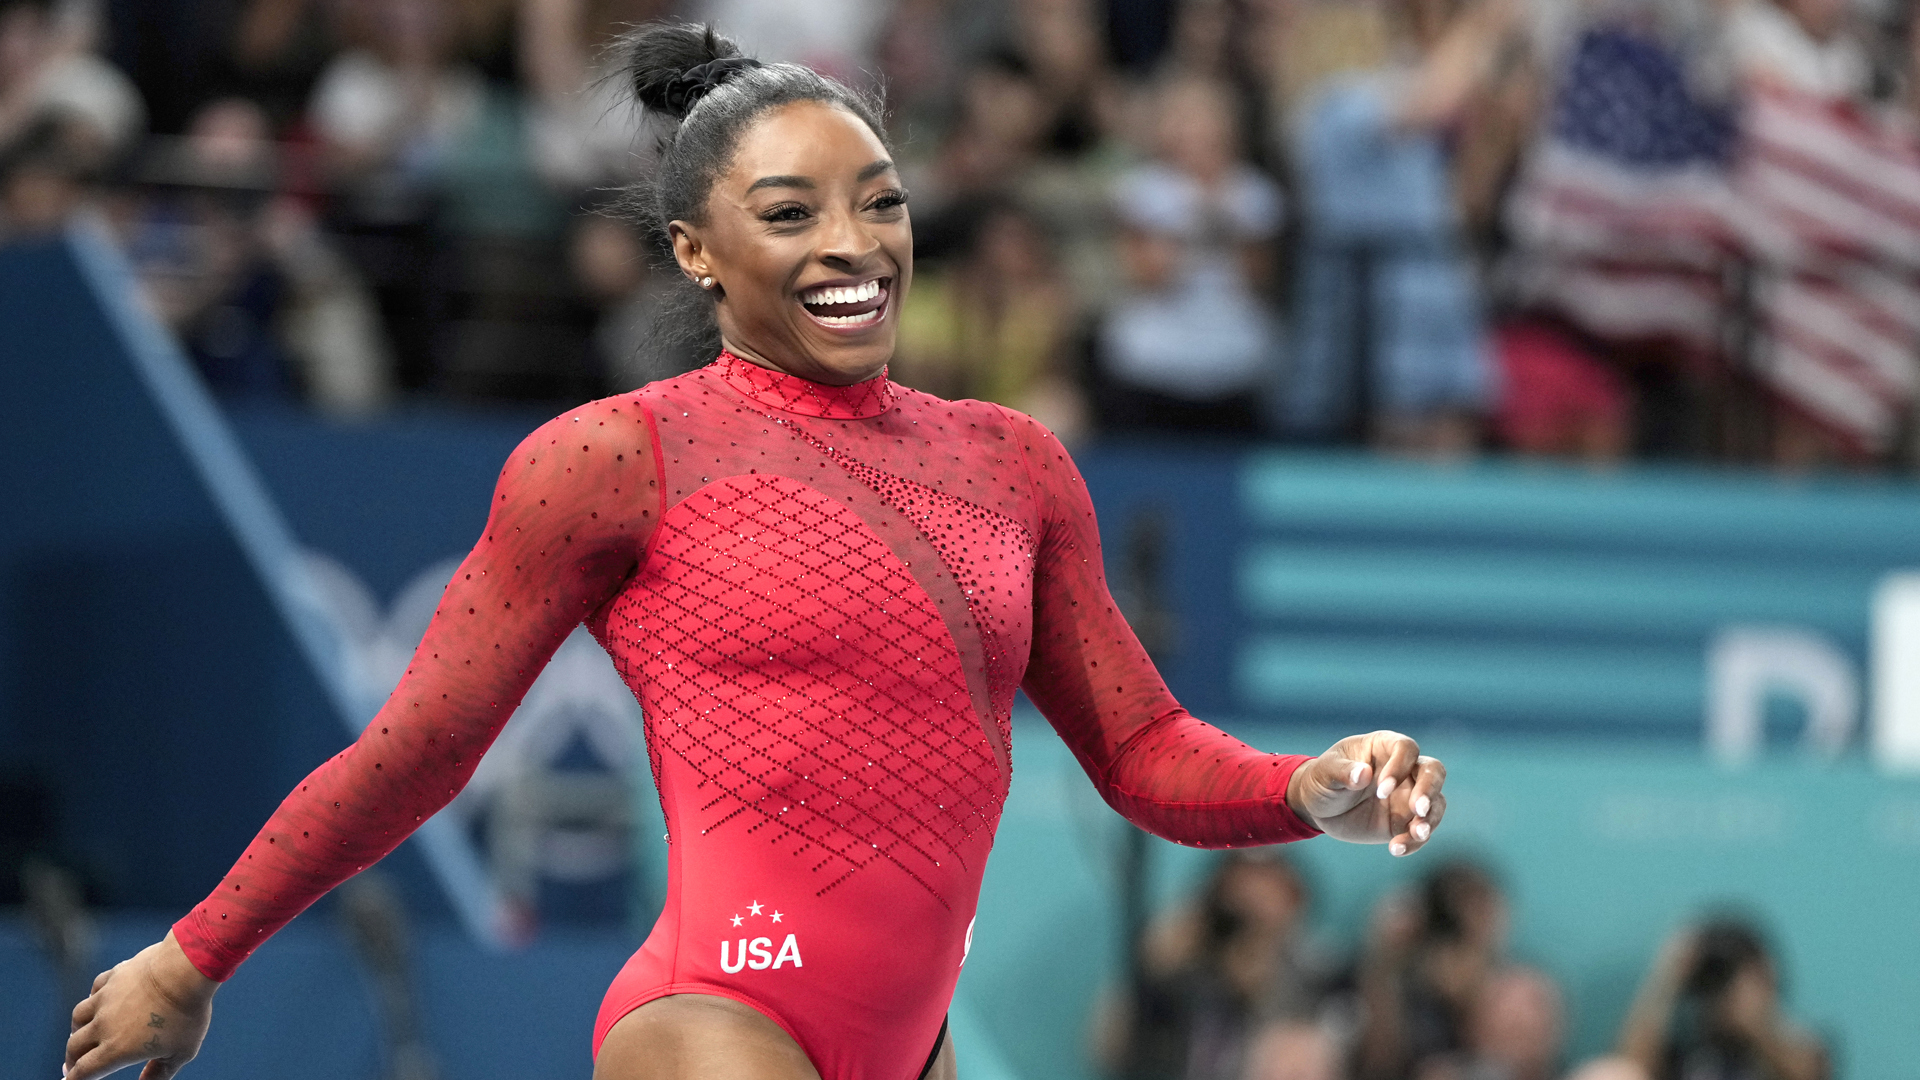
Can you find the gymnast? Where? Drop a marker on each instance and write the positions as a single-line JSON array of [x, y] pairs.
[[824, 589]]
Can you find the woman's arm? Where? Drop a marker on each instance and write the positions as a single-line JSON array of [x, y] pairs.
[[1643, 1037], [1152, 761], [570, 517]]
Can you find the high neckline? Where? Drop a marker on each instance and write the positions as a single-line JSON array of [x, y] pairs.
[[791, 393]]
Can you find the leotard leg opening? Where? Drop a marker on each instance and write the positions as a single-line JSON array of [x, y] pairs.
[[934, 1054]]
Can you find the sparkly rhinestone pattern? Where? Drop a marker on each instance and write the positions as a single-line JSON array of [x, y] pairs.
[[824, 598], [791, 662], [987, 554]]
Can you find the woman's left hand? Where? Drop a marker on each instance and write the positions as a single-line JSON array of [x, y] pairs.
[[1372, 789]]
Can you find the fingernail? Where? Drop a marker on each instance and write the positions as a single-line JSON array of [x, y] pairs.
[[1422, 830], [1421, 805], [1353, 779], [1386, 787], [1397, 848]]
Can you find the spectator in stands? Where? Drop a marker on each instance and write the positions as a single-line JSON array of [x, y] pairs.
[[1709, 1009], [194, 244], [41, 183], [48, 73], [1802, 45], [924, 54], [1834, 342], [1611, 1067], [1191, 343], [996, 324], [1426, 961], [837, 38], [583, 129], [994, 140], [1515, 1029], [610, 263], [262, 302], [1293, 1050], [1213, 974], [276, 51], [387, 111], [445, 208], [1558, 399], [1063, 44], [1391, 345]]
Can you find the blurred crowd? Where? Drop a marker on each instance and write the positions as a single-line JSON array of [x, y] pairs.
[[1586, 229], [1233, 986]]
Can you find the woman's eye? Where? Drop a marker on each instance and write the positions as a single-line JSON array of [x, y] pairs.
[[889, 201], [789, 212]]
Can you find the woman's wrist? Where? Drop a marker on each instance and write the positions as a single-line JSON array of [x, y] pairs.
[[1296, 800], [176, 978]]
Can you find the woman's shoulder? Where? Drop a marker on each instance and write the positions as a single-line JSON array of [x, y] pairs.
[[607, 431], [985, 415], [1039, 451]]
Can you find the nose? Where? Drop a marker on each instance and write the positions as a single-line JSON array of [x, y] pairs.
[[847, 244]]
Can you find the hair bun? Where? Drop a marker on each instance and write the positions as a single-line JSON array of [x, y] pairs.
[[681, 93], [674, 65]]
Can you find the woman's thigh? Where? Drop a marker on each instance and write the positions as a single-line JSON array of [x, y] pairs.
[[700, 1037]]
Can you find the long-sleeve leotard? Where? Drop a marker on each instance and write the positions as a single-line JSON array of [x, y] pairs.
[[824, 599]]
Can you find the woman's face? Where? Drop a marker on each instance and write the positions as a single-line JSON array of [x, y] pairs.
[[807, 241]]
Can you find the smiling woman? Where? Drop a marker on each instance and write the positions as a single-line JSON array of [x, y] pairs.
[[824, 589]]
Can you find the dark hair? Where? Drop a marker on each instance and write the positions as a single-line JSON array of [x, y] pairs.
[[1221, 924], [1728, 945], [710, 93], [1448, 894]]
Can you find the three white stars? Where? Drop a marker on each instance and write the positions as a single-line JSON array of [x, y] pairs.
[[754, 908]]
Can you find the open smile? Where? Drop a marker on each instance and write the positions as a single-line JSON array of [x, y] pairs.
[[850, 306]]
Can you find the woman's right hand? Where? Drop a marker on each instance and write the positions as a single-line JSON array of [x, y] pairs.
[[154, 1008]]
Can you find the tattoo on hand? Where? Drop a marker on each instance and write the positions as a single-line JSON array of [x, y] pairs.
[[157, 1021], [152, 1046]]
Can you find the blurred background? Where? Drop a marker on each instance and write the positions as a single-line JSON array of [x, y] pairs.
[[1537, 377]]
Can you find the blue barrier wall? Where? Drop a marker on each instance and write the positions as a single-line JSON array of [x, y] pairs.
[[1503, 597], [147, 689]]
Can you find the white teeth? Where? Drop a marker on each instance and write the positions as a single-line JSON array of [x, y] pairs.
[[853, 294], [851, 320]]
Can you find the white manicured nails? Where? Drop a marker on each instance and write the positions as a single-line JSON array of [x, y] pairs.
[[1421, 830], [1353, 778], [1420, 807], [1386, 788], [1397, 849]]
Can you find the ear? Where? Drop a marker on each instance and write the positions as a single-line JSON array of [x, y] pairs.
[[688, 250]]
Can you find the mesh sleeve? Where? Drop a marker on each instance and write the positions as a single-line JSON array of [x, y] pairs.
[[1152, 761], [571, 515]]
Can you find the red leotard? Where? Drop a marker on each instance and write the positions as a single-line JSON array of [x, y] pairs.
[[824, 599]]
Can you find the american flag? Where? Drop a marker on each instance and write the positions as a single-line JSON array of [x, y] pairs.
[[1621, 213], [1830, 217], [1641, 197]]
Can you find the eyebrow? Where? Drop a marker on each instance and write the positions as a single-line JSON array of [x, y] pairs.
[[780, 181], [866, 174]]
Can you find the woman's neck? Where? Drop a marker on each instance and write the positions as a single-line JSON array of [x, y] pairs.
[[811, 372]]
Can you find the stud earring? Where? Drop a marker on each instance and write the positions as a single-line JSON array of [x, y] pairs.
[[706, 283]]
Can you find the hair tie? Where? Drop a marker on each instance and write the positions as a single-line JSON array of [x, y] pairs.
[[687, 88]]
